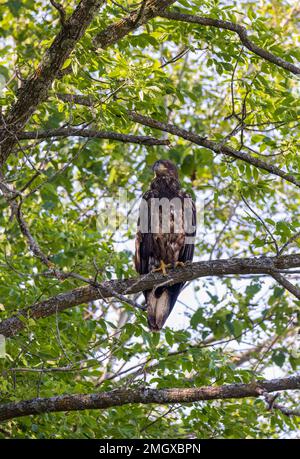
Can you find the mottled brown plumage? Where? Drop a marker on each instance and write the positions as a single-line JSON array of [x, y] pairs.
[[163, 237]]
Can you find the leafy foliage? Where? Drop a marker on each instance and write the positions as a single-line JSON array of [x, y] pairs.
[[203, 79]]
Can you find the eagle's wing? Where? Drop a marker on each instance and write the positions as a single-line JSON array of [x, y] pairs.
[[143, 241], [143, 248]]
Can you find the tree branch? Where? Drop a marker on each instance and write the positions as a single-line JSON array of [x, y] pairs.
[[218, 148], [232, 266], [135, 19], [120, 397], [91, 133], [61, 11], [241, 31], [270, 399], [79, 99], [286, 284], [256, 350], [35, 88], [16, 211]]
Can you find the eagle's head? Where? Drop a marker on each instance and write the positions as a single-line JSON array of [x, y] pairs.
[[164, 167]]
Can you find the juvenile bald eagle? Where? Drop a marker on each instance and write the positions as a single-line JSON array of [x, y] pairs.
[[165, 237]]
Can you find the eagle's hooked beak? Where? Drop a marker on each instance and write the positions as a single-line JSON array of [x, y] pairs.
[[159, 168]]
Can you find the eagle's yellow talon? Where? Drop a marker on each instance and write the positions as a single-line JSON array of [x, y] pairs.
[[179, 263], [162, 267]]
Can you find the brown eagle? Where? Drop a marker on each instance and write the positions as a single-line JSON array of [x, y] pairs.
[[165, 237]]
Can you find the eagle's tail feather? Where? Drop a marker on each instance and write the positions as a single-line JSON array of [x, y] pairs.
[[158, 309]]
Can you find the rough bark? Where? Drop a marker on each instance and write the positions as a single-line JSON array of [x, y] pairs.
[[148, 10], [92, 134], [263, 265], [102, 400]]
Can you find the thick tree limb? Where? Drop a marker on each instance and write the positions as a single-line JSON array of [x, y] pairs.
[[92, 134], [241, 31], [103, 400], [263, 265], [35, 89], [118, 30], [218, 148]]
